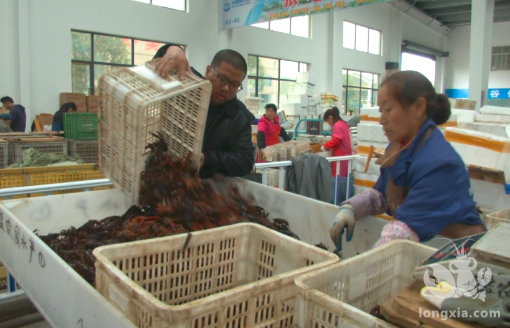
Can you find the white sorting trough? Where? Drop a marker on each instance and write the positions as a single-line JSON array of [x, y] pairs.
[[67, 300]]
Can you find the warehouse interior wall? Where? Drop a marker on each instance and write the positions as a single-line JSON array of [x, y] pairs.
[[457, 72], [36, 41]]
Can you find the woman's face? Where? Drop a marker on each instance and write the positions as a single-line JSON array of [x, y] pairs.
[[270, 113], [399, 123], [330, 121]]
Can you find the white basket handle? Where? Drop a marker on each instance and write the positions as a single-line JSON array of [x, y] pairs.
[[147, 71], [119, 299]]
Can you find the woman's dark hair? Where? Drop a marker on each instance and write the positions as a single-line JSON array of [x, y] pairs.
[[272, 106], [332, 112], [59, 116], [408, 86]]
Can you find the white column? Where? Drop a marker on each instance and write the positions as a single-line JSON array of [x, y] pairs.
[[395, 36], [9, 57], [482, 13], [24, 60]]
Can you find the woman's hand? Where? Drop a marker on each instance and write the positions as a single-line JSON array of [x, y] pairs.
[[344, 219], [262, 155], [323, 149]]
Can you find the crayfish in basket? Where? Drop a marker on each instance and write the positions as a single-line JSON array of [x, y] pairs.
[[173, 200]]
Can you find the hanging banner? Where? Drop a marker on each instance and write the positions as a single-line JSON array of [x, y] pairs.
[[239, 13]]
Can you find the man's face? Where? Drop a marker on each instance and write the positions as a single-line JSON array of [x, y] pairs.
[[7, 105], [225, 80]]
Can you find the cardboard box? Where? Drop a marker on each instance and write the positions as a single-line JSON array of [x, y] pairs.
[[92, 104], [81, 108], [306, 77], [292, 109], [462, 104], [45, 119], [298, 99], [304, 89], [78, 98]]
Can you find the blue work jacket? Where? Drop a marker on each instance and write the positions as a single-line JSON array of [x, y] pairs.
[[440, 192]]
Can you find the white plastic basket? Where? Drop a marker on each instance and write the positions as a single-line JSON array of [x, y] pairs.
[[59, 146], [273, 178], [343, 294], [236, 276], [4, 154], [86, 149], [136, 102], [252, 104], [493, 219]]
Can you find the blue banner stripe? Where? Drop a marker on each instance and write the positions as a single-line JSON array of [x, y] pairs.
[[457, 93], [464, 93]]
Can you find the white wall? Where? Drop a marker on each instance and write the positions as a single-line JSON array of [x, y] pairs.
[[37, 77], [457, 65], [9, 55]]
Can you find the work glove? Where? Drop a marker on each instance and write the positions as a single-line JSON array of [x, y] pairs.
[[344, 219], [323, 149]]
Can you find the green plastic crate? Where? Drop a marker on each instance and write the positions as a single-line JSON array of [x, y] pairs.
[[80, 126]]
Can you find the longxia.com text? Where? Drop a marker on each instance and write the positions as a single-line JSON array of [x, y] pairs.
[[459, 314]]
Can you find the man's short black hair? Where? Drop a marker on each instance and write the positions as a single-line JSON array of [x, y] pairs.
[[272, 106], [7, 99], [230, 57]]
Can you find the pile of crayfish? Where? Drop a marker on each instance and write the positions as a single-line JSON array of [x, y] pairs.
[[173, 200]]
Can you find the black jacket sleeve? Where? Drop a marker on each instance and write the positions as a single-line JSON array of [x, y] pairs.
[[236, 162], [284, 135], [261, 140], [162, 51]]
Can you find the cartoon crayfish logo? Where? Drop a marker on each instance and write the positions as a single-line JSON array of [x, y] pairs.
[[466, 285]]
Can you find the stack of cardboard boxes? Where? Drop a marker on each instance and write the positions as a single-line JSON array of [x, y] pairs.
[[302, 104], [85, 104]]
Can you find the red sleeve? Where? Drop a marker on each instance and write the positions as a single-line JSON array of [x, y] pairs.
[[262, 126], [335, 142]]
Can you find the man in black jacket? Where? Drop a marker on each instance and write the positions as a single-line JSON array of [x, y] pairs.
[[227, 146]]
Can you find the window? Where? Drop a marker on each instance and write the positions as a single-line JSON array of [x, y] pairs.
[[500, 59], [270, 78], [96, 54], [362, 38], [425, 64], [359, 90], [298, 26], [172, 4]]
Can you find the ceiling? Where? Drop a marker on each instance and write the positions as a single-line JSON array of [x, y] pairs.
[[453, 13]]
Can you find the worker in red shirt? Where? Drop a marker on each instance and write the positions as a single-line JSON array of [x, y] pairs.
[[340, 145], [269, 131]]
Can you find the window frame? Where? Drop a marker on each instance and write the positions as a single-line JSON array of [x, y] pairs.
[[150, 3], [278, 79], [290, 28], [92, 62], [368, 39], [347, 86], [502, 55]]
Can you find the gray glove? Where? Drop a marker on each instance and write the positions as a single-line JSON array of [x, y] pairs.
[[344, 219]]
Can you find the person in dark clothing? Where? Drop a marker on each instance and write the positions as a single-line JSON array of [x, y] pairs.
[[17, 112], [227, 146], [58, 118], [269, 131]]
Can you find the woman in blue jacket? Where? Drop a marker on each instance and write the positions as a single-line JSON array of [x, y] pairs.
[[58, 118], [424, 184]]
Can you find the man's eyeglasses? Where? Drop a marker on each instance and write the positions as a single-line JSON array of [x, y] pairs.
[[223, 81]]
